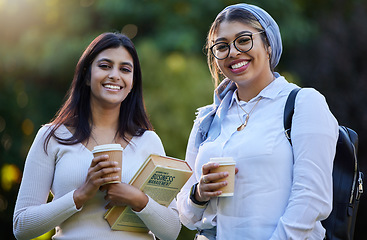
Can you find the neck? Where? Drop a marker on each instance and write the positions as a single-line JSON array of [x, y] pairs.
[[103, 118], [104, 127], [248, 91]]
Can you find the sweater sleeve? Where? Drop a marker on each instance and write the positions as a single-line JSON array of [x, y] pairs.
[[163, 221], [155, 216], [190, 213], [314, 137], [33, 216]]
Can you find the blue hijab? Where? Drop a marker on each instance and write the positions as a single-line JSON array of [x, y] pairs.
[[209, 118], [270, 26]]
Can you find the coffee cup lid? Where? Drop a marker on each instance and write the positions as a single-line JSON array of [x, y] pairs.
[[223, 160], [107, 147]]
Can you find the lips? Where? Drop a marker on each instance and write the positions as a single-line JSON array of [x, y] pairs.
[[238, 66]]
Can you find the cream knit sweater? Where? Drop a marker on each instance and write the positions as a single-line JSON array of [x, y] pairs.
[[62, 170]]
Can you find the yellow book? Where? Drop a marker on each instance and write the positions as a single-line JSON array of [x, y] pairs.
[[161, 178]]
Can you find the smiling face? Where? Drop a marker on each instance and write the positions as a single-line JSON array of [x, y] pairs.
[[249, 70], [111, 77]]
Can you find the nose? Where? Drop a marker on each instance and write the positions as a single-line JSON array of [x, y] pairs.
[[114, 74], [233, 50]]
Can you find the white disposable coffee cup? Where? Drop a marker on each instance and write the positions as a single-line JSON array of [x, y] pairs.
[[114, 151], [226, 164]]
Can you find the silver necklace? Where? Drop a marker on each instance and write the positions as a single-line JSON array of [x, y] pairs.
[[244, 124], [113, 140]]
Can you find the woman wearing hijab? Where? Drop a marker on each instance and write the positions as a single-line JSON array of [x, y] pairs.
[[281, 192], [104, 106]]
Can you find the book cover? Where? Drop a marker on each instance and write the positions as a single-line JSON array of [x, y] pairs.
[[161, 178]]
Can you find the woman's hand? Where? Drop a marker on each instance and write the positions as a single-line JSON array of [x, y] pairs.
[[95, 178], [122, 194], [207, 188]]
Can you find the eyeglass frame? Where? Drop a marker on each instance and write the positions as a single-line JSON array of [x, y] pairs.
[[234, 44]]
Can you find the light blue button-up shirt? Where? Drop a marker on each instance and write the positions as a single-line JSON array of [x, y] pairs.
[[280, 192]]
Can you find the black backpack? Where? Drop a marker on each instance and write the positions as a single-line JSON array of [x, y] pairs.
[[347, 179]]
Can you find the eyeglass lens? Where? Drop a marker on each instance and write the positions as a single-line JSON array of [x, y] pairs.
[[242, 43]]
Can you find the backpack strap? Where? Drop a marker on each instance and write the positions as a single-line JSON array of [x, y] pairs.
[[347, 178], [288, 113]]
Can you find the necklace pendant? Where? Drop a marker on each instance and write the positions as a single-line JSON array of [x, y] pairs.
[[241, 127]]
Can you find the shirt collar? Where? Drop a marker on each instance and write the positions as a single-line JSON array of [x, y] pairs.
[[234, 98], [274, 88], [270, 91]]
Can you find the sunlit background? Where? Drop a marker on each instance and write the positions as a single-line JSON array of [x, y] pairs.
[[41, 41]]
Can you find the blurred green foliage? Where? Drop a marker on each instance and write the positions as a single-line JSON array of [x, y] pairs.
[[42, 40]]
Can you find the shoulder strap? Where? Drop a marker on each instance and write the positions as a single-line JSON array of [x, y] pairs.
[[288, 113]]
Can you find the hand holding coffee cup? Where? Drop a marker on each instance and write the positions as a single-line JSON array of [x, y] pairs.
[[114, 151], [226, 164], [217, 179]]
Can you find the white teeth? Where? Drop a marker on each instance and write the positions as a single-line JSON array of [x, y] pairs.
[[238, 65], [112, 87]]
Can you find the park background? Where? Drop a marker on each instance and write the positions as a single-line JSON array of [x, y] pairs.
[[42, 40]]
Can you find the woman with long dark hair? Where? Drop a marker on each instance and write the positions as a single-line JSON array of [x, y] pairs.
[[104, 106]]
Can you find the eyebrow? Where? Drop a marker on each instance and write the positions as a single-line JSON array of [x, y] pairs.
[[237, 34], [110, 61]]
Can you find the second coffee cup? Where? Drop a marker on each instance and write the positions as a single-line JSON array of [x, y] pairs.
[[114, 151], [226, 164]]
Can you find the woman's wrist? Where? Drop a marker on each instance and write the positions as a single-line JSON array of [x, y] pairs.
[[194, 195], [79, 199], [140, 203]]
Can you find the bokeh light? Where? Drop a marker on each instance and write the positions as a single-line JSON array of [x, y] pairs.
[[22, 99], [2, 122], [3, 203], [130, 30], [6, 141], [10, 175], [27, 127], [45, 236], [86, 3], [176, 62]]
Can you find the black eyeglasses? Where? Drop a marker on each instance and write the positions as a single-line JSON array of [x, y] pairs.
[[242, 43]]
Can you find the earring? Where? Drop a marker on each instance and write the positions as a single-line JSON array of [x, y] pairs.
[[269, 52]]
